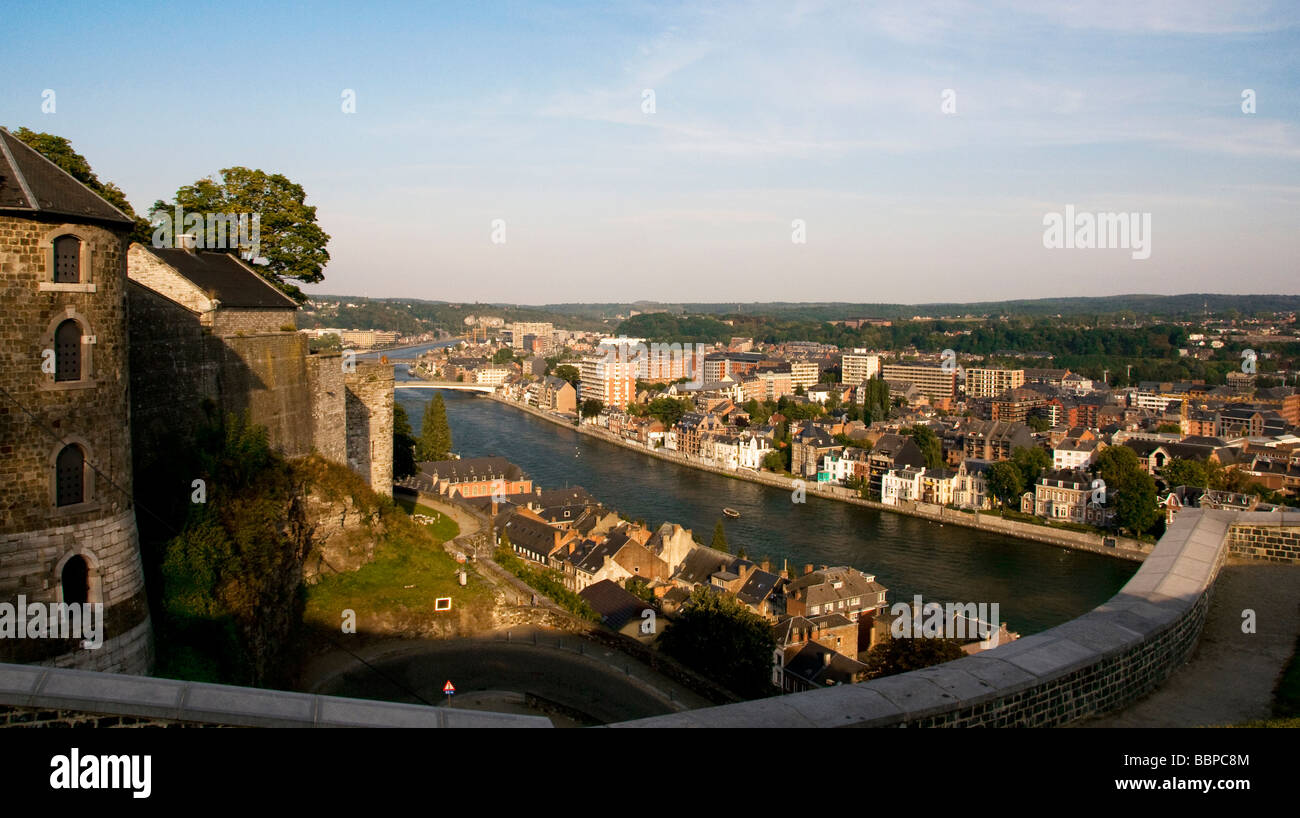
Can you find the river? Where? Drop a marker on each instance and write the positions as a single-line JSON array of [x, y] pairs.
[[1035, 585]]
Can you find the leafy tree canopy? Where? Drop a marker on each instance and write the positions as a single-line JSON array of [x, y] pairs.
[[718, 637], [291, 241]]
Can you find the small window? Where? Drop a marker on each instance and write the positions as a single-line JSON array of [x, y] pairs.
[[67, 351], [67, 260], [70, 479], [76, 581]]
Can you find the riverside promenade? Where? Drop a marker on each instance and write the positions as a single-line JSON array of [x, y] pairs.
[[1124, 548]]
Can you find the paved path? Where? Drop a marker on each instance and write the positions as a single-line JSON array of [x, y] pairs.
[[603, 683], [1231, 676]]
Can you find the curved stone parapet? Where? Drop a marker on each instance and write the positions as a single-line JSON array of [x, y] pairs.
[[1103, 660]]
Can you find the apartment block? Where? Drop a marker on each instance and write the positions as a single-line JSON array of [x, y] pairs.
[[932, 380], [989, 383], [859, 367]]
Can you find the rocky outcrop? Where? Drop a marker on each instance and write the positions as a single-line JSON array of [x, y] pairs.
[[343, 534]]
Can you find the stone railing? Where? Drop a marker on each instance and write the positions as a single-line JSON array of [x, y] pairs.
[[1101, 661], [32, 695]]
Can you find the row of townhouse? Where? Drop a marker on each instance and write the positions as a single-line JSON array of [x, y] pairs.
[[965, 486]]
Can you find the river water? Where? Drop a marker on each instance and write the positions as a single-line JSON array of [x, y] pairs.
[[1035, 585]]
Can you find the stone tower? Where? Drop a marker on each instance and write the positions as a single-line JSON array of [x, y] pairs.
[[67, 515]]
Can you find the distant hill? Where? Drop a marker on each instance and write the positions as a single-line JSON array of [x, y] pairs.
[[1138, 304], [416, 315]]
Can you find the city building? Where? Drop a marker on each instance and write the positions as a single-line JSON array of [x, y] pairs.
[[474, 477], [858, 367], [804, 373], [989, 383], [609, 378], [935, 382], [537, 329]]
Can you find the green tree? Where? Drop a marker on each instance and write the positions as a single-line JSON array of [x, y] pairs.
[[668, 410], [592, 407], [720, 539], [1132, 489], [403, 444], [1038, 423], [930, 444], [435, 433], [902, 655], [1183, 472], [774, 461], [504, 355], [1135, 504], [1005, 482], [1116, 465], [721, 639], [291, 241], [570, 373], [59, 150], [1169, 427], [1031, 461]]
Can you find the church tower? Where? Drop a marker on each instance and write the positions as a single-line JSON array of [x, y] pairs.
[[67, 515]]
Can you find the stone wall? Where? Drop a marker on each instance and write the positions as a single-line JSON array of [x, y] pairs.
[[1099, 662], [329, 407], [155, 274], [40, 416], [1270, 543], [268, 376], [250, 321], [33, 696], [370, 423], [302, 399]]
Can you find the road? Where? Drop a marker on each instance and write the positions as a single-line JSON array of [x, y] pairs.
[[590, 687]]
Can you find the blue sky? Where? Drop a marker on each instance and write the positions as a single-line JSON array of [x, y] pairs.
[[764, 113]]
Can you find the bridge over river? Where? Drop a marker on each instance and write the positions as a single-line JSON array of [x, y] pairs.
[[456, 385]]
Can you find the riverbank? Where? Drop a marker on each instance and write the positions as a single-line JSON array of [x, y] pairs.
[[1124, 549]]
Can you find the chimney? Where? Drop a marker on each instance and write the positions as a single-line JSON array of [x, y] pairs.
[[807, 569], [766, 565], [187, 242]]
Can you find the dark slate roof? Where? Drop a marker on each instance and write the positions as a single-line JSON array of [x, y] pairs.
[[594, 559], [32, 184], [757, 587], [473, 469], [615, 605], [225, 277], [1182, 449], [807, 662], [700, 564], [525, 532]]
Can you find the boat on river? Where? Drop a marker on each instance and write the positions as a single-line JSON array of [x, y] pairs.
[[731, 512]]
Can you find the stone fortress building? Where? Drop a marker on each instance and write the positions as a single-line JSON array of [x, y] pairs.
[[110, 353], [67, 511], [205, 327]]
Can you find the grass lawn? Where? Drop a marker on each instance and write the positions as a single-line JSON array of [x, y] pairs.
[[443, 530], [410, 554]]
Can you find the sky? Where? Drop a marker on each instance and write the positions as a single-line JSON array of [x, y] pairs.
[[795, 151]]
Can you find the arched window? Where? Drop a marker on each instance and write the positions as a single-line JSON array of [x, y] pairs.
[[67, 260], [67, 351], [71, 479], [76, 581]]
